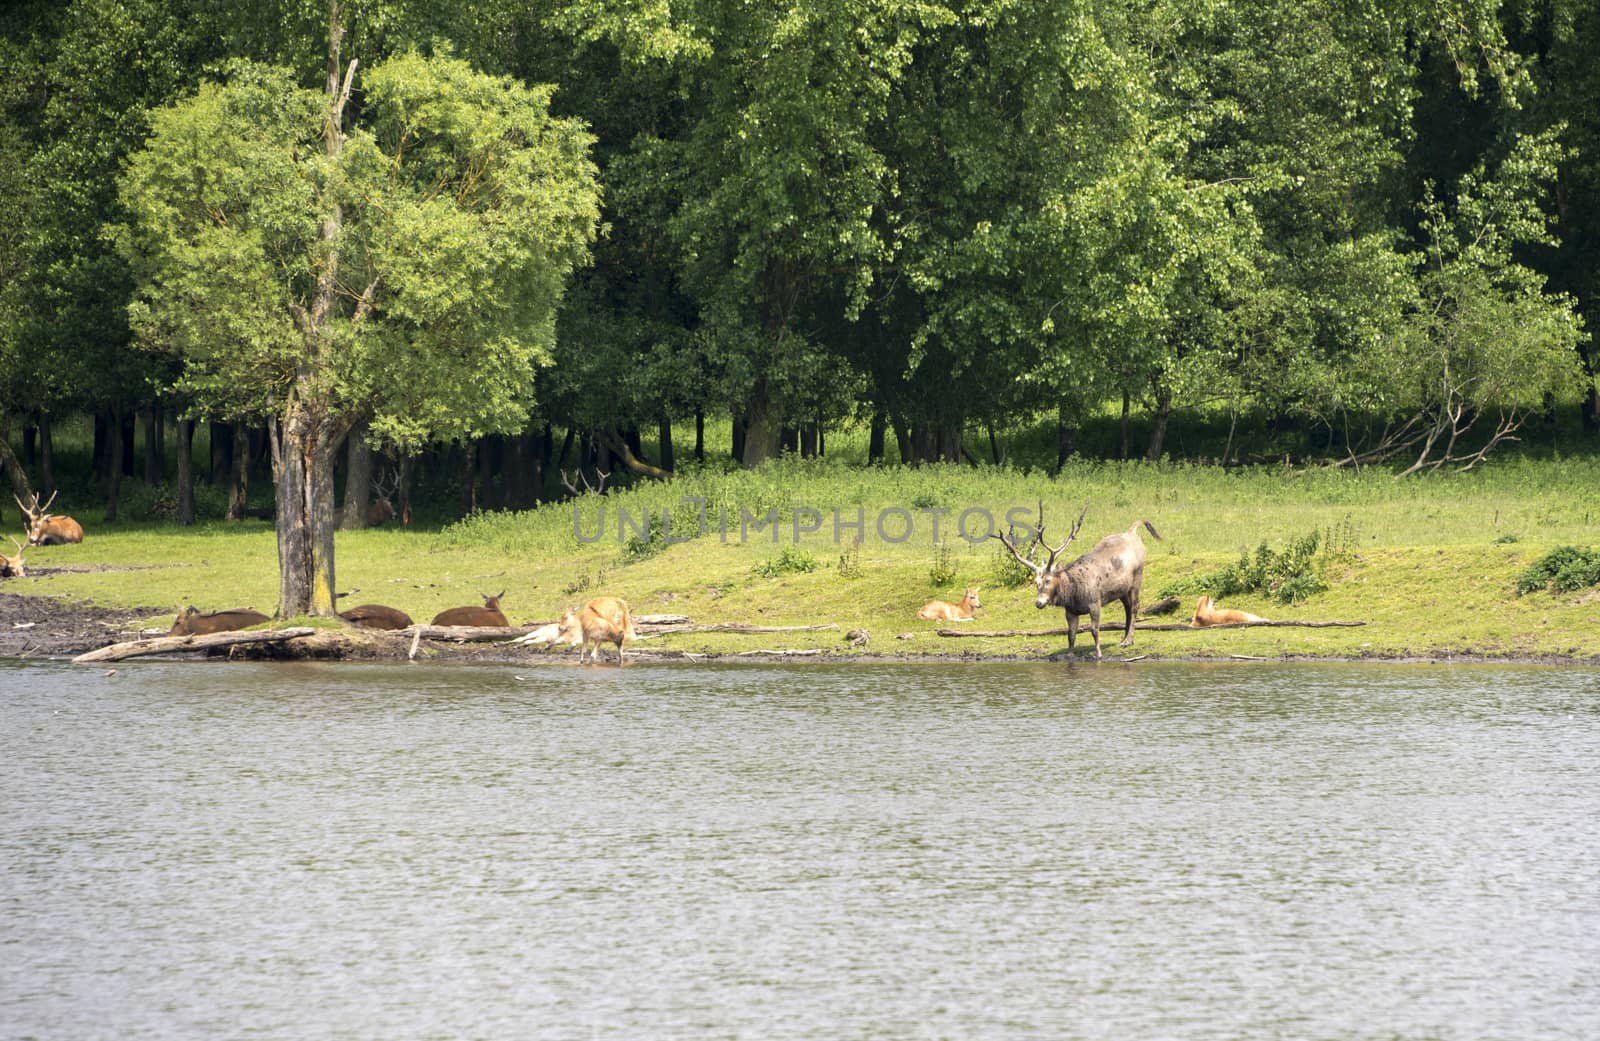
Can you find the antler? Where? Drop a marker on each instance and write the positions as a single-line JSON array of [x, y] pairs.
[[600, 474], [1073, 534], [46, 507], [31, 511], [1038, 540]]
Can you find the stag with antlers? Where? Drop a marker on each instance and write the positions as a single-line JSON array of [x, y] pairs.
[[46, 528], [598, 489], [1112, 570]]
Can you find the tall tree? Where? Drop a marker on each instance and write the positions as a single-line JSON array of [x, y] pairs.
[[404, 267]]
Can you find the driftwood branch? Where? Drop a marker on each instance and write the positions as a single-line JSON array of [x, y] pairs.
[[741, 627], [1160, 627], [462, 633], [167, 644]]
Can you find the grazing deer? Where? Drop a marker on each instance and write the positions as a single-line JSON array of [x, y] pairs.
[[47, 529], [1206, 612], [487, 615], [603, 619], [376, 616], [940, 610], [382, 507], [1112, 570], [11, 567], [192, 623]]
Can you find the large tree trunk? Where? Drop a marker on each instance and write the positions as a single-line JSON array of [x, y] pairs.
[[221, 453], [875, 440], [699, 436], [357, 480], [664, 442], [127, 442], [8, 462], [762, 438], [302, 467], [186, 471]]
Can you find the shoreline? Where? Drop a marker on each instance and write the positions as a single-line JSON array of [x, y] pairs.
[[40, 628]]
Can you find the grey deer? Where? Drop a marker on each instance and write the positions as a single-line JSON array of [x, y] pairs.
[[1112, 570]]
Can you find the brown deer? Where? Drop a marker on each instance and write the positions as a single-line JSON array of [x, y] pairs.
[[11, 567], [1112, 570], [192, 623], [376, 616], [487, 615], [47, 529], [1206, 612], [940, 610], [605, 619], [382, 507]]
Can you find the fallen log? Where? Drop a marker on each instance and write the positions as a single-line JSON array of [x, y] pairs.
[[167, 644], [743, 627], [463, 633], [1161, 627]]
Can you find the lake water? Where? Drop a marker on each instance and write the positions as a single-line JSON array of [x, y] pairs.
[[1050, 851]]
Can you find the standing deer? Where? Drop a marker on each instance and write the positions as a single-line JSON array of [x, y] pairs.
[[940, 610], [1112, 570], [487, 615], [605, 619], [47, 529], [11, 567]]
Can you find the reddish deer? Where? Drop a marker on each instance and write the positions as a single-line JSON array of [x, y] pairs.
[[605, 619], [193, 623], [376, 616], [11, 567], [1112, 570], [487, 615], [1206, 612], [940, 610], [47, 529]]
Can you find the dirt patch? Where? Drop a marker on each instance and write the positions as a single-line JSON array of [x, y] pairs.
[[41, 627]]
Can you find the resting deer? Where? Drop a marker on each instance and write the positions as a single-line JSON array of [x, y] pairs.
[[940, 610], [605, 619], [1112, 570], [47, 529], [1206, 612], [487, 615], [376, 616], [11, 567], [192, 623]]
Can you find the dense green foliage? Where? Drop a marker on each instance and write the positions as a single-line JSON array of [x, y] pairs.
[[1565, 569], [1371, 231]]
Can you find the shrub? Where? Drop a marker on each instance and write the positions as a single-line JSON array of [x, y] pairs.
[[788, 561], [1286, 577], [1565, 569], [943, 571]]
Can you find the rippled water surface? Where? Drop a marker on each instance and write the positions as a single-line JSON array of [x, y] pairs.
[[970, 852]]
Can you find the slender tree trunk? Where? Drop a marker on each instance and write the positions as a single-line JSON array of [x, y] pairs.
[[487, 451], [467, 473], [114, 432], [699, 436], [738, 430], [98, 466], [238, 473], [152, 447], [357, 480], [902, 440], [1158, 433], [664, 442], [808, 441], [875, 440], [127, 443], [1122, 452], [186, 472], [994, 444], [221, 453], [47, 456], [30, 444], [566, 446], [408, 481], [1066, 437]]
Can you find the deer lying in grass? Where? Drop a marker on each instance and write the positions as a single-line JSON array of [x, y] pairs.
[[941, 610], [487, 615], [192, 623], [11, 567], [1206, 612], [48, 529], [1112, 570], [376, 616], [605, 619]]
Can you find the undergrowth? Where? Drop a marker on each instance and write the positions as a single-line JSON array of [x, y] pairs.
[[1285, 576], [1565, 569]]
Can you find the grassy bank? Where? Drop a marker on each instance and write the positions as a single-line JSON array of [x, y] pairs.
[[1431, 564]]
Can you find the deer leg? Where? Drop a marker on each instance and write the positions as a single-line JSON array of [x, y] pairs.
[[1130, 604], [1094, 627], [1072, 630]]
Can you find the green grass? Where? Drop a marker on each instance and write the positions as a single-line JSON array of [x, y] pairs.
[[1431, 564]]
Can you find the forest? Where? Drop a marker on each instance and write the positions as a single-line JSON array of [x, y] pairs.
[[490, 251]]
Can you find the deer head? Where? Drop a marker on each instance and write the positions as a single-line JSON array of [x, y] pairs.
[[12, 567], [1043, 574]]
